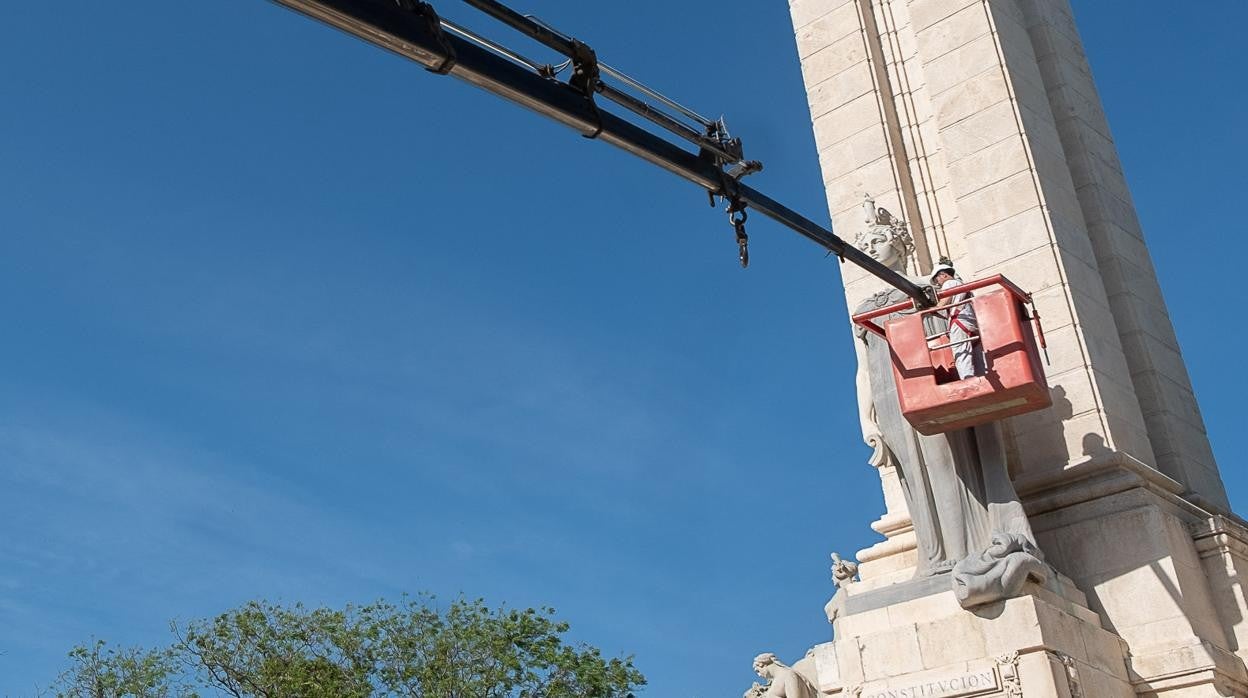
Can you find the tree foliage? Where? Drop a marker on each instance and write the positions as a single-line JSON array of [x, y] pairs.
[[413, 648], [100, 671]]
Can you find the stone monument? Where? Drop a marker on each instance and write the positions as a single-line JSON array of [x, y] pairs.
[[1085, 550]]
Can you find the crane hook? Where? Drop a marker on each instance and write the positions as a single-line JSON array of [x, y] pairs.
[[737, 216]]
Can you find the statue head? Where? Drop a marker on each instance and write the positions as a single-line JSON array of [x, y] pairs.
[[889, 244], [766, 663]]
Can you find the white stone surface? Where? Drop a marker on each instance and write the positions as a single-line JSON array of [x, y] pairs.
[[828, 670], [1008, 160], [1042, 642], [979, 679]]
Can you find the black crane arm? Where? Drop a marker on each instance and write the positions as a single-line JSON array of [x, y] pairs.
[[412, 29]]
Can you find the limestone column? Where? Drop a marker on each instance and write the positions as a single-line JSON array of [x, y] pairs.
[[978, 122]]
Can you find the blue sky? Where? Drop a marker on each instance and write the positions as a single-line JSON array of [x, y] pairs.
[[291, 318]]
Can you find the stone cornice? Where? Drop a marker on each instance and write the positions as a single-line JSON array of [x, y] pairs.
[[1104, 475], [1220, 535]]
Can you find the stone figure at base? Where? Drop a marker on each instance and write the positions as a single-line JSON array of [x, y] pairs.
[[783, 681], [843, 571], [956, 485]]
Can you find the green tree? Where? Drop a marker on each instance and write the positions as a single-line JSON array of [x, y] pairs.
[[100, 671], [262, 649], [414, 649]]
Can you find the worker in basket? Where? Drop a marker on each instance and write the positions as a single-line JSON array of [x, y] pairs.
[[968, 354]]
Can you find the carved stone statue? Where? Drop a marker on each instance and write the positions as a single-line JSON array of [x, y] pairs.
[[843, 571], [783, 681], [956, 485]]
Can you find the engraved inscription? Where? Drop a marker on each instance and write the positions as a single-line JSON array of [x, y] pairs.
[[969, 684]]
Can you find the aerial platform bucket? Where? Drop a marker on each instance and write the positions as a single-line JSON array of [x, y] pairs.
[[932, 397]]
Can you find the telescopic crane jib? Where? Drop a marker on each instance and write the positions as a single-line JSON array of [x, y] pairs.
[[932, 397], [413, 30]]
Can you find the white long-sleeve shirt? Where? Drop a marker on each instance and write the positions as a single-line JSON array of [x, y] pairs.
[[965, 313]]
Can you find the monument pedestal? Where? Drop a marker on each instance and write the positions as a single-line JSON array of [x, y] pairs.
[[1164, 573], [1154, 604], [913, 640]]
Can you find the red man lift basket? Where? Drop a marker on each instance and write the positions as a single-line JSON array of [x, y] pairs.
[[932, 397]]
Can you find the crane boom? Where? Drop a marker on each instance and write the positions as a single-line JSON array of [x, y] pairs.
[[413, 30]]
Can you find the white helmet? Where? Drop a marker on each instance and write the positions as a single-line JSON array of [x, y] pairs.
[[939, 268]]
